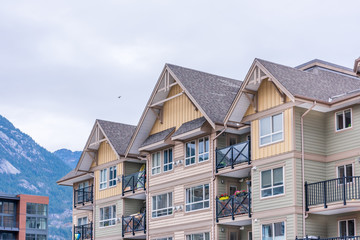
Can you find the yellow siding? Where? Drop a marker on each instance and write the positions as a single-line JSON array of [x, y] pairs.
[[276, 148], [176, 111], [268, 97], [106, 155]]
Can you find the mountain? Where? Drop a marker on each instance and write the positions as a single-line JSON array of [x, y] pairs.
[[28, 168], [69, 157]]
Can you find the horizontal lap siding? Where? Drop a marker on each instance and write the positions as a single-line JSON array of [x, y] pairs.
[[343, 140], [289, 226], [132, 206], [332, 223], [314, 131], [131, 167], [179, 235], [112, 232], [315, 171], [316, 225], [277, 201]]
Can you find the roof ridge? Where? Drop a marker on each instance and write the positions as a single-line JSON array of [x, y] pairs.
[[170, 64], [293, 68], [330, 64], [116, 122]]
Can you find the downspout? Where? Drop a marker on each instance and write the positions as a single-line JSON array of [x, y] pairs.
[[213, 180], [303, 165]]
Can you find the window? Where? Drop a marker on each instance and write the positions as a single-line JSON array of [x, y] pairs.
[[108, 216], [197, 197], [203, 149], [347, 228], [36, 223], [273, 231], [112, 176], [103, 179], [343, 119], [156, 163], [168, 160], [272, 182], [35, 237], [271, 129], [36, 209], [249, 235], [234, 236], [162, 205], [190, 153], [345, 171], [82, 221], [8, 207], [198, 236]]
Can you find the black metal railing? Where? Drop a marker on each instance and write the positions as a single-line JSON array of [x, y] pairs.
[[83, 195], [134, 182], [333, 238], [85, 231], [232, 155], [9, 223], [132, 224], [334, 190], [234, 205]]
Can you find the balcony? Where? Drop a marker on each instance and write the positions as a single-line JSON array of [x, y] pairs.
[[236, 205], [83, 196], [85, 231], [134, 224], [134, 182], [338, 191], [333, 238], [233, 155], [8, 223]]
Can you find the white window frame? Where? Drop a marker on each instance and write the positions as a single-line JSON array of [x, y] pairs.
[[272, 181], [204, 147], [273, 229], [343, 113], [157, 168], [168, 209], [191, 236], [82, 220], [202, 201], [347, 226], [191, 156], [110, 220], [103, 179], [112, 180], [168, 164], [271, 130]]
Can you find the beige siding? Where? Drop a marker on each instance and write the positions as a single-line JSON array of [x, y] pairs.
[[284, 146], [316, 225], [176, 111], [109, 191], [111, 232], [333, 227]]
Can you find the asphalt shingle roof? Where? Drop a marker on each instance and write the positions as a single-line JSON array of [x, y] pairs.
[[119, 134], [70, 175], [213, 93], [189, 126], [325, 63], [318, 84], [157, 137]]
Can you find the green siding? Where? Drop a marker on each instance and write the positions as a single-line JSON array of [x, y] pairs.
[[131, 167], [316, 225], [132, 206]]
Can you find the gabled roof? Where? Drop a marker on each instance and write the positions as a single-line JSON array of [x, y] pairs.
[[211, 94], [118, 134], [189, 126]]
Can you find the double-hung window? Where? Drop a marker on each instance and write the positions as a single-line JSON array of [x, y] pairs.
[[345, 171], [168, 159], [203, 144], [273, 231], [197, 197], [271, 129], [162, 205], [107, 216], [82, 221], [103, 179], [272, 182], [198, 236], [190, 153], [156, 163], [347, 228], [343, 119], [112, 176]]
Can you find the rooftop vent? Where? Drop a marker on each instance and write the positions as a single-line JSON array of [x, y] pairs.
[[357, 66]]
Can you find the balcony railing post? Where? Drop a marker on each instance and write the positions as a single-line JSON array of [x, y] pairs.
[[249, 147], [133, 225], [92, 194], [122, 226], [232, 157], [123, 184], [325, 194], [217, 209], [249, 196], [133, 183], [232, 198], [344, 191], [144, 219], [74, 231], [91, 232], [216, 160], [306, 197], [144, 180], [74, 198], [83, 195]]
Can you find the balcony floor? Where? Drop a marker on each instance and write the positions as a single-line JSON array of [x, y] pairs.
[[335, 208], [139, 195], [239, 171], [138, 235], [240, 220]]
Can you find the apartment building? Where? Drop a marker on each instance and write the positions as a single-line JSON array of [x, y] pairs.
[[272, 157], [109, 188], [23, 217]]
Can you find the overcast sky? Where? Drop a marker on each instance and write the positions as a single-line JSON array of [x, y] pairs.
[[63, 64]]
